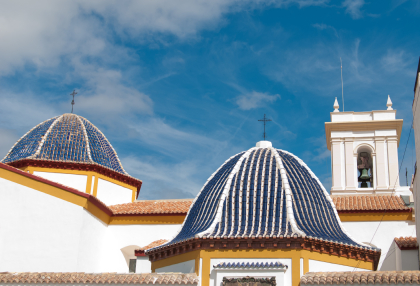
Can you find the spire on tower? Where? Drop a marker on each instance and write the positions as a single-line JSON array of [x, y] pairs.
[[389, 104], [336, 106]]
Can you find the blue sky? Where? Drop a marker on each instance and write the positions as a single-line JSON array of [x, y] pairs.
[[178, 86]]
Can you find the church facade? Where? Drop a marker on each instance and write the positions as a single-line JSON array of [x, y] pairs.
[[68, 205]]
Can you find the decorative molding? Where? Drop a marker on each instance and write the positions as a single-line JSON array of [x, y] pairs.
[[271, 243], [362, 126], [249, 281]]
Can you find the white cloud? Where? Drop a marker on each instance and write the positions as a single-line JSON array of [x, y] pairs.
[[105, 93], [43, 33], [353, 8], [164, 138], [164, 180], [255, 99], [396, 61]]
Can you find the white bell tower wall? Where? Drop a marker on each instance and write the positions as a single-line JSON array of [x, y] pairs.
[[369, 140]]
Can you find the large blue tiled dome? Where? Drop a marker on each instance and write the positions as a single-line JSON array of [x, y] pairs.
[[263, 192], [66, 138]]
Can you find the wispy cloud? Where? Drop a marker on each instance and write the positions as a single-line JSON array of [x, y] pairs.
[[164, 180], [255, 99], [353, 7], [325, 27]]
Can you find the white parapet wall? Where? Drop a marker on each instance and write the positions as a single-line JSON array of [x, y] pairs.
[[77, 182], [320, 266], [43, 233], [113, 194], [383, 234]]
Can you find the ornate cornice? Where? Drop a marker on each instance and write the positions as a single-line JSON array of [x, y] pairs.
[[78, 167], [370, 125], [311, 244]]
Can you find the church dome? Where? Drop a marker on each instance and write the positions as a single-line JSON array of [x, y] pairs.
[[67, 138], [263, 193]]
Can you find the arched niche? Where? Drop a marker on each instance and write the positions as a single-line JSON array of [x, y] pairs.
[[128, 253], [365, 160]]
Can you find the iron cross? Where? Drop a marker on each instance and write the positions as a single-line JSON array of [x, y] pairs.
[[72, 102], [264, 120]]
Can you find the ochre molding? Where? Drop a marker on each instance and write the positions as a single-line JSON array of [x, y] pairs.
[[148, 219], [370, 125], [376, 215]]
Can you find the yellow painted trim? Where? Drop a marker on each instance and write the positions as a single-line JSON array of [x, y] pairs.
[[294, 254], [387, 216], [133, 195], [147, 219], [100, 214], [79, 172], [89, 183], [83, 202], [95, 187], [193, 255], [42, 187], [205, 272]]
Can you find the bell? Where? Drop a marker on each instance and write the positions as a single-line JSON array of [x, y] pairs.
[[364, 175]]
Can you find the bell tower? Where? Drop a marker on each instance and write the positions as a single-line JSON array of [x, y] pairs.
[[364, 151]]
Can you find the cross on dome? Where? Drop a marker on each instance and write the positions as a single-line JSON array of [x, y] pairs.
[[264, 120]]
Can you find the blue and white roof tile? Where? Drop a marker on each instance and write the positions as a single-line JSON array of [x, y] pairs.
[[66, 138], [263, 192], [250, 265]]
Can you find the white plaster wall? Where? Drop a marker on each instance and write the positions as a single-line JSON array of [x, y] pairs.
[[113, 194], [384, 237], [285, 261], [183, 267], [91, 247], [278, 274], [320, 266], [143, 265], [407, 259], [39, 232], [120, 236], [77, 182]]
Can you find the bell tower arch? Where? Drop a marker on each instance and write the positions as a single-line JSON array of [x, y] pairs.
[[364, 151]]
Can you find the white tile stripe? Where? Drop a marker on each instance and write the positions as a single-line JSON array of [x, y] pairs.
[[327, 196]]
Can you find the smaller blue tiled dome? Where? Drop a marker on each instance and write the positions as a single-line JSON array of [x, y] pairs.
[[66, 138]]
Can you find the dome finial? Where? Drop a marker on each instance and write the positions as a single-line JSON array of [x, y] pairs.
[[389, 103], [336, 106]]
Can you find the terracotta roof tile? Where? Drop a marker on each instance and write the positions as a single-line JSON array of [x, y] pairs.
[[97, 278], [369, 203], [406, 243], [361, 277], [154, 244], [153, 207]]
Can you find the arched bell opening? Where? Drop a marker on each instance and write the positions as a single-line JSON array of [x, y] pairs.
[[364, 167]]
